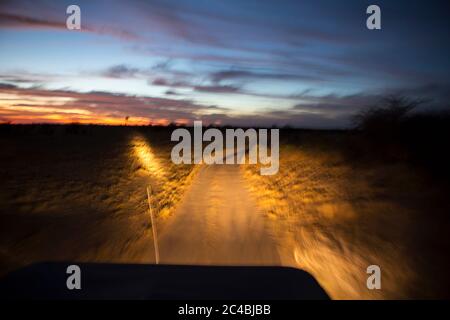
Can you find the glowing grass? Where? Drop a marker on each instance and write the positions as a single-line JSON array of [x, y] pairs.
[[144, 153], [331, 221]]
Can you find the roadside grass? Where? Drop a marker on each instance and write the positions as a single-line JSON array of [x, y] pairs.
[[78, 193], [334, 217]]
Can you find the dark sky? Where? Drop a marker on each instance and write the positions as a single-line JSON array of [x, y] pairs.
[[302, 63]]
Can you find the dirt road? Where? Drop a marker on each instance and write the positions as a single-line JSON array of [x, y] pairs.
[[218, 222]]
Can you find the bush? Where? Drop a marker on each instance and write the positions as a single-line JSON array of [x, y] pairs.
[[386, 117], [391, 132]]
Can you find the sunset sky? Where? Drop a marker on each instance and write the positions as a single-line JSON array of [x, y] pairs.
[[302, 63]]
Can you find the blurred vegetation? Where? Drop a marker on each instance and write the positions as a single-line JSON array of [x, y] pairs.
[[396, 131], [375, 193]]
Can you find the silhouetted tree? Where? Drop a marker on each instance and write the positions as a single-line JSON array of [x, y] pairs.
[[385, 117]]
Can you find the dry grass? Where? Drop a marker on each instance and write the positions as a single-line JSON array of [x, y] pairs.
[[334, 219], [167, 180], [83, 197]]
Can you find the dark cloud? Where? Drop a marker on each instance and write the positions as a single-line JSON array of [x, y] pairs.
[[20, 21], [166, 68], [243, 74], [7, 86], [8, 21], [199, 88], [27, 78], [158, 74], [217, 89], [121, 71], [160, 82], [168, 83]]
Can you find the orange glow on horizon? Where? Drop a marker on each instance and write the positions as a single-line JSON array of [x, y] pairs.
[[32, 109]]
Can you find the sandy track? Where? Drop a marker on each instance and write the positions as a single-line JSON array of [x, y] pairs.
[[218, 223]]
